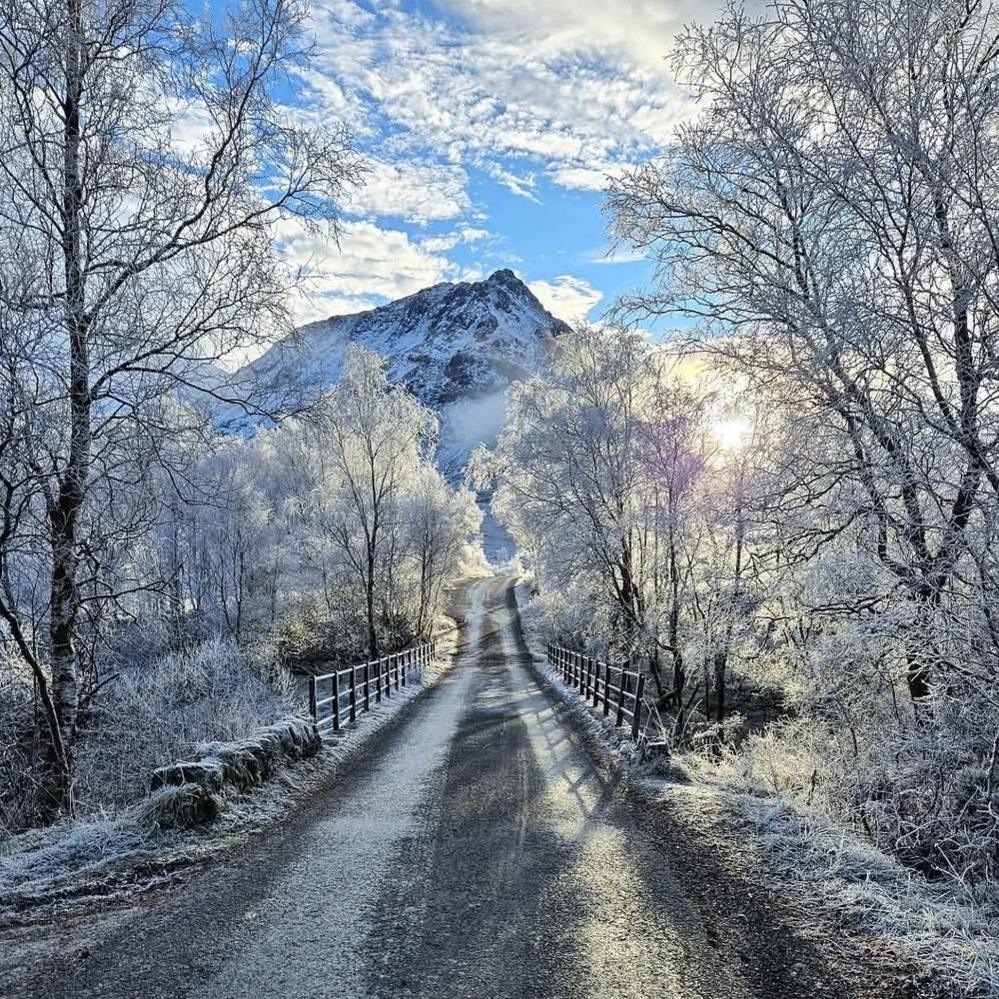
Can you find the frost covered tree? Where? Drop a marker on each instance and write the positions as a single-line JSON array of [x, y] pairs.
[[607, 477], [439, 522], [834, 203], [828, 221], [144, 158], [567, 472], [374, 438]]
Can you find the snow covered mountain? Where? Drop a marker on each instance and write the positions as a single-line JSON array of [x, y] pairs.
[[457, 346]]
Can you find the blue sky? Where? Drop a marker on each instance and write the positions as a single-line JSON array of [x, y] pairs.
[[489, 127]]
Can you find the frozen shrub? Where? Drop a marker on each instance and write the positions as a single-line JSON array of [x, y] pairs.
[[18, 748], [156, 713]]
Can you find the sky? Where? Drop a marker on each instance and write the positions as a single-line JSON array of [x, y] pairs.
[[489, 128]]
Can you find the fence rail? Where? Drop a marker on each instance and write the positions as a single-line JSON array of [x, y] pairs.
[[353, 689], [609, 689]]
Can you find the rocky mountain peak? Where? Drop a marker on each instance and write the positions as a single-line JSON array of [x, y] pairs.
[[458, 346]]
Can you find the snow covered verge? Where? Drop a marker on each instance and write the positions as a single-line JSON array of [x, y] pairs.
[[849, 896], [95, 862]]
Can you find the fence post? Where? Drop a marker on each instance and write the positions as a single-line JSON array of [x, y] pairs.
[[313, 710], [353, 693], [335, 691], [595, 680], [639, 694], [367, 686], [620, 699], [388, 675], [607, 685], [396, 671], [405, 658]]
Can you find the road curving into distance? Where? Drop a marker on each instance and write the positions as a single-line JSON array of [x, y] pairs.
[[476, 851]]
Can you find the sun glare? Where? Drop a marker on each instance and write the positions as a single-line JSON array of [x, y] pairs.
[[731, 435]]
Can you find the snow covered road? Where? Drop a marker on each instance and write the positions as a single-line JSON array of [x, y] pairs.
[[477, 852]]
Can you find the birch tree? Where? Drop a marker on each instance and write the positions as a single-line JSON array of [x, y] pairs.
[[373, 438], [144, 158], [830, 217]]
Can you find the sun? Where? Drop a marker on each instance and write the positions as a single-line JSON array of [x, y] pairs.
[[732, 434]]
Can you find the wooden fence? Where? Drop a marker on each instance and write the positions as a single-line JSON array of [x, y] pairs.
[[609, 689], [353, 689]]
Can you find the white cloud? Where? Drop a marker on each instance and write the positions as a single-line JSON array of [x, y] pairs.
[[562, 84], [637, 32], [371, 266], [594, 177], [191, 126], [523, 187], [567, 297], [417, 191], [614, 255], [464, 235]]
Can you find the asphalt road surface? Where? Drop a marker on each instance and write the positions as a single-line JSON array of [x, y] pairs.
[[476, 851]]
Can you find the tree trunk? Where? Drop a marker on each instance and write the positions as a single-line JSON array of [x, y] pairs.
[[918, 658], [720, 664], [369, 587], [65, 508], [176, 591], [679, 682], [655, 668], [57, 794]]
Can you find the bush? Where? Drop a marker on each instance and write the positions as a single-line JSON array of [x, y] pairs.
[[923, 790], [156, 713], [18, 748]]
